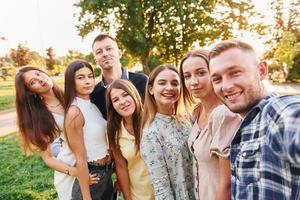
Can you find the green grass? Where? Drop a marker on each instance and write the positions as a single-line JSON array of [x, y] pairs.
[[23, 177], [7, 94]]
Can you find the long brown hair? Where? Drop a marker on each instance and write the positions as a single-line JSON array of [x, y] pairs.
[[70, 86], [150, 108], [114, 119], [202, 53], [70, 91], [36, 123]]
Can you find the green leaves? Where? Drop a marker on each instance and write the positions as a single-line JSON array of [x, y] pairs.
[[287, 49], [20, 56], [165, 29], [285, 38]]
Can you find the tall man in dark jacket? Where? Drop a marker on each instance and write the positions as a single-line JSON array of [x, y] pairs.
[[107, 55]]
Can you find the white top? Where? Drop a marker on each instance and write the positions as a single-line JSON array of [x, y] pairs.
[[94, 135], [59, 120], [94, 129], [63, 183]]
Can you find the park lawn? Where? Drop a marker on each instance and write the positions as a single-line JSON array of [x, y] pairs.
[[7, 94], [23, 177]]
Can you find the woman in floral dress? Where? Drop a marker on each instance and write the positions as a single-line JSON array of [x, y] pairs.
[[165, 132]]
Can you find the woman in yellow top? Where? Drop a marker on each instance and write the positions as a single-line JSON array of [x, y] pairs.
[[124, 110]]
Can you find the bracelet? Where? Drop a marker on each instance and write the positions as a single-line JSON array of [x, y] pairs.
[[67, 171]]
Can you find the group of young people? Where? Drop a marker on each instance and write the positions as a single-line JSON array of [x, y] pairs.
[[208, 130]]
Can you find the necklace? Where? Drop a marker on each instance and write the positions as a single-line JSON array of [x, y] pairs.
[[52, 106]]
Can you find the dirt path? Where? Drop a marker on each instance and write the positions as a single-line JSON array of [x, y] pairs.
[[7, 122]]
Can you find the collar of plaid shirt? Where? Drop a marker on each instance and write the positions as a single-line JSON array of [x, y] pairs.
[[259, 154]]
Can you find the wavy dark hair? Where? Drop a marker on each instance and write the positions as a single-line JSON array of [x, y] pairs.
[[114, 119], [35, 122]]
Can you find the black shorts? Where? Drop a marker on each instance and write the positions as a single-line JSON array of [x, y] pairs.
[[103, 190]]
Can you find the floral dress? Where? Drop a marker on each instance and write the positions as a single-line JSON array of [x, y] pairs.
[[165, 151]]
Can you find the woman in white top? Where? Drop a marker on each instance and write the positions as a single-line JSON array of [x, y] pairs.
[[85, 133], [40, 115]]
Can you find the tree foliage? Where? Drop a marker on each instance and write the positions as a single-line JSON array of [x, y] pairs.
[[36, 59], [70, 56], [286, 28], [151, 28], [90, 58], [50, 60], [74, 55], [287, 51], [287, 18], [20, 56]]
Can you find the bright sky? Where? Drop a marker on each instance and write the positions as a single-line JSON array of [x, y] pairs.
[[44, 23], [41, 24]]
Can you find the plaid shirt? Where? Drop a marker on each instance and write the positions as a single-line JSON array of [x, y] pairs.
[[265, 152]]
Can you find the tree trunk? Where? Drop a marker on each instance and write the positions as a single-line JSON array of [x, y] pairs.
[[145, 63], [285, 71]]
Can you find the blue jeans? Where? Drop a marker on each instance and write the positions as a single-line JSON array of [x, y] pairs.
[[103, 190]]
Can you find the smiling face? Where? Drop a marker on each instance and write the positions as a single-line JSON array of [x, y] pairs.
[[122, 102], [37, 82], [84, 82], [107, 54], [196, 76], [166, 90], [236, 77]]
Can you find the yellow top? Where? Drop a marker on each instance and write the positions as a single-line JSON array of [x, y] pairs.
[[140, 182]]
